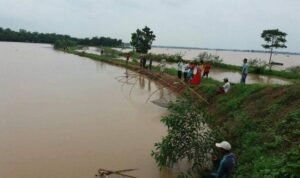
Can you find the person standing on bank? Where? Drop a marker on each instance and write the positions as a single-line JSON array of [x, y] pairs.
[[144, 61], [185, 70], [162, 65], [244, 71], [227, 163], [179, 69], [206, 70], [127, 58], [150, 63]]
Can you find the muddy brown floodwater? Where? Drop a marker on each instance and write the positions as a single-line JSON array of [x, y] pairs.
[[64, 116]]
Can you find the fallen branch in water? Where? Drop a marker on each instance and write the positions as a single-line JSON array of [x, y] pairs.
[[106, 172]]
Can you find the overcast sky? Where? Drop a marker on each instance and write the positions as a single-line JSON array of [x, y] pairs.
[[195, 23]]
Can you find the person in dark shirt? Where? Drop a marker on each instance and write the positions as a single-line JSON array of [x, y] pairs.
[[127, 58], [244, 71], [227, 163]]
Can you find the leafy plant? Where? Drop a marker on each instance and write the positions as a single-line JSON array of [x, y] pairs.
[[274, 38], [258, 65], [294, 69], [208, 57], [142, 39], [188, 137]]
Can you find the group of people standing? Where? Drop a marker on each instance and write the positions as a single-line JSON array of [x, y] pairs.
[[192, 72], [143, 62]]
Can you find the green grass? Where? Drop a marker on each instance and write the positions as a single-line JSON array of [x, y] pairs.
[[263, 129]]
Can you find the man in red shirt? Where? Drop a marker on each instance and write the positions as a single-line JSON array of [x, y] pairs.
[[206, 70]]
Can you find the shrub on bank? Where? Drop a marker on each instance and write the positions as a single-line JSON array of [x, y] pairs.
[[188, 137]]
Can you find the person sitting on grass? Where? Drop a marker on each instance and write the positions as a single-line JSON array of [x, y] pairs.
[[225, 88], [227, 164]]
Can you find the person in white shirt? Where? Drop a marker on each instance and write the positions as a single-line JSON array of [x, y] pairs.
[[162, 65], [225, 88]]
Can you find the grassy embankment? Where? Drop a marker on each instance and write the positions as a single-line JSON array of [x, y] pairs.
[[261, 121]]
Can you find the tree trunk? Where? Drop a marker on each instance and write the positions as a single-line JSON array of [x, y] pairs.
[[270, 59]]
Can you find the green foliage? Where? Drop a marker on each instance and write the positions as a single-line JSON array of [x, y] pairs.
[[52, 38], [209, 58], [240, 93], [142, 39], [286, 165], [289, 126], [109, 52], [167, 57], [257, 65], [188, 137], [64, 44], [295, 69], [266, 144], [274, 39]]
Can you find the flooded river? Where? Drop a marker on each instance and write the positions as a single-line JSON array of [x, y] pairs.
[[64, 116]]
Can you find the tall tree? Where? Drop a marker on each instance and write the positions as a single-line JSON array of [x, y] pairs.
[[274, 38], [142, 40]]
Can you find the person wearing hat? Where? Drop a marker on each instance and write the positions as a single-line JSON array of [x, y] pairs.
[[227, 163]]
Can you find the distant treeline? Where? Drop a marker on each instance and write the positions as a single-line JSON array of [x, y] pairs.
[[52, 38]]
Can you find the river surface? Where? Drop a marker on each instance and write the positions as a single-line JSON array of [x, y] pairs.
[[65, 116]]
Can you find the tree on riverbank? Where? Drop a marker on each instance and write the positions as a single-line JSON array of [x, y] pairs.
[[274, 39], [142, 40], [64, 44], [188, 137]]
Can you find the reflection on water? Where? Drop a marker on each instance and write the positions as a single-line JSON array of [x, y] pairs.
[[64, 116], [132, 79]]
